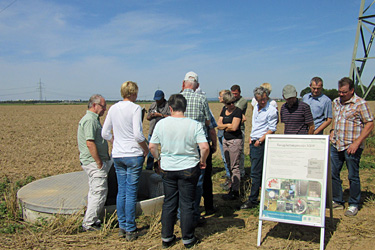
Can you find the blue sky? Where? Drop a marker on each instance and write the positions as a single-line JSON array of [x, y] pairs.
[[81, 47]]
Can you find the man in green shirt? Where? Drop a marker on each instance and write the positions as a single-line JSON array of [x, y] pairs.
[[95, 160], [240, 103]]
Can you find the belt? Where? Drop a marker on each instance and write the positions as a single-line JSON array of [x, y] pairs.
[[253, 141]]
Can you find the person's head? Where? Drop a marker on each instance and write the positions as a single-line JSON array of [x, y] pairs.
[[97, 104], [346, 89], [190, 81], [221, 94], [290, 94], [236, 91], [316, 86], [177, 102], [268, 86], [159, 96], [261, 94], [228, 100], [129, 90]]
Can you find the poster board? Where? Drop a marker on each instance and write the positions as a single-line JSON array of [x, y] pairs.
[[294, 181]]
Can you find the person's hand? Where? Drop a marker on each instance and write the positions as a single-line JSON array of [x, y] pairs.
[[352, 148], [157, 167], [100, 164], [145, 153], [202, 165]]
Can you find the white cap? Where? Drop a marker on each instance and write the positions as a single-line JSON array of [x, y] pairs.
[[191, 76]]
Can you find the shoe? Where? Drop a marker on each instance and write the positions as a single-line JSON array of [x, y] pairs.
[[93, 227], [352, 211], [337, 206], [130, 236], [248, 204], [169, 243], [122, 233], [195, 242], [232, 195], [210, 211]]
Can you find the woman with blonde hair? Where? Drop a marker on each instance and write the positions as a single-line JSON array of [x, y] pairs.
[[129, 150]]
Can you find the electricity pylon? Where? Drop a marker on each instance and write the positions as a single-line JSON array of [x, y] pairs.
[[365, 36]]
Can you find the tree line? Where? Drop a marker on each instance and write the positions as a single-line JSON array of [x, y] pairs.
[[333, 93]]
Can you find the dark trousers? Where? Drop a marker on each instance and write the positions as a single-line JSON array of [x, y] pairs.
[[207, 184], [179, 191], [256, 158]]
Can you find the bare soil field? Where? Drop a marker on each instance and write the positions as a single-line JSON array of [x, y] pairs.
[[40, 140]]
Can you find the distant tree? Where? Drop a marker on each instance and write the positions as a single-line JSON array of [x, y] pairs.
[[331, 93], [370, 96], [305, 91]]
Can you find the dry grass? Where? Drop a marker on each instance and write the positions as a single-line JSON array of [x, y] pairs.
[[40, 140]]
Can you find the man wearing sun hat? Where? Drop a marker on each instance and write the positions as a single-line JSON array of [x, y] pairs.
[[295, 114], [157, 111]]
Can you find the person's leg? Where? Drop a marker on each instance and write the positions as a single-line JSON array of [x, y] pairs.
[[134, 170], [187, 183], [121, 173], [227, 172], [207, 185], [97, 195], [150, 158], [170, 205], [198, 195], [235, 150], [337, 161], [352, 163], [226, 148], [256, 157], [242, 156]]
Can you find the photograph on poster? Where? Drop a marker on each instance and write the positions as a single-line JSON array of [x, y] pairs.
[[284, 197]]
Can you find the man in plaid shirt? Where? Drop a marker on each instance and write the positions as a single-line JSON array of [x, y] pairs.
[[352, 123]]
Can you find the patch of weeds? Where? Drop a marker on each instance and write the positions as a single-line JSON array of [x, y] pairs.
[[10, 227]]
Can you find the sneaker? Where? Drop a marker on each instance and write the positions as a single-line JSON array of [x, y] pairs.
[[90, 228], [122, 233], [130, 236], [201, 222], [337, 206], [248, 205], [352, 211], [169, 243], [210, 212], [195, 242]]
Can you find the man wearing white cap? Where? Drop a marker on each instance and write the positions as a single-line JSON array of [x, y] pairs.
[[295, 114], [197, 109]]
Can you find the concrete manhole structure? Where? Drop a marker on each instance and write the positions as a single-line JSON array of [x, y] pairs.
[[67, 194]]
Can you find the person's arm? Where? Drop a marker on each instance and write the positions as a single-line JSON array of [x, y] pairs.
[[220, 124], [213, 137], [205, 150], [94, 152], [364, 133], [325, 124], [272, 121], [155, 153], [107, 128], [311, 128], [138, 132], [234, 125]]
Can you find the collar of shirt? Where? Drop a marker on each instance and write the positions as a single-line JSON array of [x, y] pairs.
[[96, 116], [315, 97]]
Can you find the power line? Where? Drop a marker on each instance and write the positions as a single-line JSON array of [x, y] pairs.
[[6, 7]]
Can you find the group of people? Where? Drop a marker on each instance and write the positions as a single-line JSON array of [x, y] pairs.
[[182, 138]]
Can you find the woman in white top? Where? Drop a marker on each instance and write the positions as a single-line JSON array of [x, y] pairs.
[[129, 150]]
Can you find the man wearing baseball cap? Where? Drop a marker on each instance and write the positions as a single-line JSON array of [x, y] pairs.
[[295, 114], [157, 111]]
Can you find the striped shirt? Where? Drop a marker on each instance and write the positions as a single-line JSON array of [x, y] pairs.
[[349, 119], [296, 118], [197, 107]]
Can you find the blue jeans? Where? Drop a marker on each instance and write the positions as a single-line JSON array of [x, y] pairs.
[[227, 172], [179, 190], [150, 158], [256, 157], [352, 163], [128, 171]]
